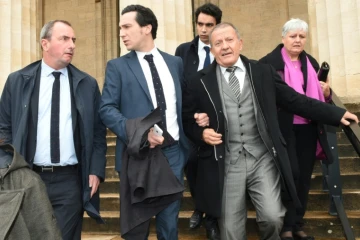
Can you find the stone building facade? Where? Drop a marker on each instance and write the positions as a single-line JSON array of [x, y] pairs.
[[334, 33]]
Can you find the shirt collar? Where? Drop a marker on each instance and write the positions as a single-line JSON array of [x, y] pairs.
[[153, 51], [238, 64], [202, 45], [46, 70]]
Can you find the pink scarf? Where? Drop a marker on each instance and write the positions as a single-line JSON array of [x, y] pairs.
[[313, 90], [291, 77]]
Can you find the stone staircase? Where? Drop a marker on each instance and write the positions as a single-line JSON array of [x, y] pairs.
[[318, 222]]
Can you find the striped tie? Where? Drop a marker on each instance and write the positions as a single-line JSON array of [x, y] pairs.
[[234, 82]]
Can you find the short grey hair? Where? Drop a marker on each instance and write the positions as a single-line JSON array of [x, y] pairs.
[[46, 31], [224, 25], [294, 24]]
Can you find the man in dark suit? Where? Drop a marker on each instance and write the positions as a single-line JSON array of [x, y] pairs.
[[49, 112], [243, 150], [196, 55], [136, 84]]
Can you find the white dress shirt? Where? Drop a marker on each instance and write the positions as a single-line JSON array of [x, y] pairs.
[[67, 149], [239, 73], [167, 83], [202, 54]]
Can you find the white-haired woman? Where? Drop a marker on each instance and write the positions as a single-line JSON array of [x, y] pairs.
[[299, 70]]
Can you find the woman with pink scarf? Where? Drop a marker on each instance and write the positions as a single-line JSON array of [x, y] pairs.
[[305, 138]]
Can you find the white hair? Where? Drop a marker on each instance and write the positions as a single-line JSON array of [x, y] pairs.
[[294, 24]]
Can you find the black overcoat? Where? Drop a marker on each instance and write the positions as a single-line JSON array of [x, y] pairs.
[[202, 95]]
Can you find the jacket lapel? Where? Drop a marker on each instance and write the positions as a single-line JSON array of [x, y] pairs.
[[255, 78], [211, 85], [135, 67]]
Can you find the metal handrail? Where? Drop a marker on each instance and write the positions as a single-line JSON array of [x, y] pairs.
[[331, 172]]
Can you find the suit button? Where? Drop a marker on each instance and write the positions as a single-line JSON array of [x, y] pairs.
[[241, 125], [220, 156], [194, 62], [242, 134], [240, 115], [239, 151], [239, 106]]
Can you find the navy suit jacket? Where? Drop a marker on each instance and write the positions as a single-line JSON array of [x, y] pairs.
[[126, 96]]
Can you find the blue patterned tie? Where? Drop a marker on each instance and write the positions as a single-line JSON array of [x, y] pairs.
[[159, 92], [55, 120], [207, 58]]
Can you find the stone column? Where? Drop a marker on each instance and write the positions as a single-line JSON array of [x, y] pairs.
[[174, 20], [18, 41], [334, 26]]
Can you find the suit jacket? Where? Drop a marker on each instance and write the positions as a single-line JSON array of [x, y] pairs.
[[286, 118], [126, 96], [203, 95], [189, 54], [148, 185], [14, 123]]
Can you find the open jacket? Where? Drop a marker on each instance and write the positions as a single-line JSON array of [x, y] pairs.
[[15, 111], [147, 184], [25, 209], [202, 95], [286, 118]]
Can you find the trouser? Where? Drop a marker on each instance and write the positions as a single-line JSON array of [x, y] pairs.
[[261, 179], [301, 148], [64, 191]]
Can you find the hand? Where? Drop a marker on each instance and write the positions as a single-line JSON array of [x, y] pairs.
[[202, 119], [153, 139], [349, 115], [94, 182], [211, 137], [325, 88]]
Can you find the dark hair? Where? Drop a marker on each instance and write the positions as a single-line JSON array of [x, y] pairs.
[[144, 17], [209, 9]]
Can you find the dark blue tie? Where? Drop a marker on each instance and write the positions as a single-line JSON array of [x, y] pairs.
[[55, 120], [159, 92], [207, 58]]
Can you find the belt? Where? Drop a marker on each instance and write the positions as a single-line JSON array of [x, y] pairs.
[[68, 168], [170, 145]]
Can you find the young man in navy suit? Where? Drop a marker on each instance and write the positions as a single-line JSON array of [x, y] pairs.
[[136, 84]]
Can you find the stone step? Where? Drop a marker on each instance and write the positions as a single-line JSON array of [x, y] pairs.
[[349, 180], [183, 236], [318, 223], [347, 164], [318, 201]]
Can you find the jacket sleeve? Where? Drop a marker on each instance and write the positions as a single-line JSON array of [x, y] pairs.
[[299, 104], [5, 113], [98, 158], [190, 106], [110, 103]]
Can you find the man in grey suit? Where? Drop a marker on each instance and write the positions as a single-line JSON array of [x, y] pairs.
[[136, 84], [243, 150]]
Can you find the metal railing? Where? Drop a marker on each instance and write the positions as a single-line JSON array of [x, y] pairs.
[[331, 172]]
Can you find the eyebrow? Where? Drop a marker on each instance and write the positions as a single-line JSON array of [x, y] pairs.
[[209, 23]]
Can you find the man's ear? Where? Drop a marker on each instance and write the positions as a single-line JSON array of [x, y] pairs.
[[45, 44], [148, 29]]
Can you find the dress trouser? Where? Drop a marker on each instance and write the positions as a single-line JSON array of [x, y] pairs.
[[302, 155], [261, 179], [167, 219], [64, 191]]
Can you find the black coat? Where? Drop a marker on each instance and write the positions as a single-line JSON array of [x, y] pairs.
[[15, 111], [189, 54], [202, 94], [148, 185], [286, 118]]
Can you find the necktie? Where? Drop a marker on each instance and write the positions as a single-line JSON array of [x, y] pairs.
[[159, 92], [207, 58], [55, 121], [234, 82]]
